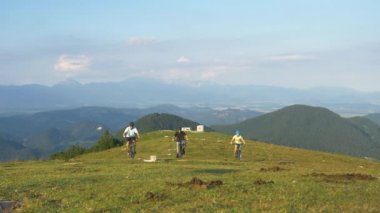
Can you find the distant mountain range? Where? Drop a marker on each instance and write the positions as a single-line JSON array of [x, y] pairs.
[[313, 128], [134, 93]]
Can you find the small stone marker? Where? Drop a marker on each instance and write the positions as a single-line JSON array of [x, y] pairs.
[[7, 206], [153, 158]]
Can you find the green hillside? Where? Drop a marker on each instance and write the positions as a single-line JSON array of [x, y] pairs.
[[53, 140], [313, 128], [368, 127], [49, 132], [11, 150], [270, 178], [375, 117]]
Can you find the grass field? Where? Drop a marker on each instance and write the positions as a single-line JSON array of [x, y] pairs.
[[269, 179]]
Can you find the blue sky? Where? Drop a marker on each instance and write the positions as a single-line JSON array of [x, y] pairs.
[[293, 43]]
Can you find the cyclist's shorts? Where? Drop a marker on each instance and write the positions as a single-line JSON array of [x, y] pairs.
[[131, 139]]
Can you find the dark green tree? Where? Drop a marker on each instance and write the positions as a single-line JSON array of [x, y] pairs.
[[72, 152], [107, 141]]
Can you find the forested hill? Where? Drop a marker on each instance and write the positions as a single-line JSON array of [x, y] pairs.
[[313, 128], [11, 150], [164, 121]]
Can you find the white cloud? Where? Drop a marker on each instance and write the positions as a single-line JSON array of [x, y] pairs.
[[291, 57], [72, 63], [183, 60], [141, 40], [176, 74], [209, 75]]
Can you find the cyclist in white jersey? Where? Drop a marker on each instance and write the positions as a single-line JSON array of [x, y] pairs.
[[131, 134]]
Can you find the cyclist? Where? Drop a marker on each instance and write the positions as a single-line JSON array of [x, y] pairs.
[[131, 134], [180, 137], [237, 140]]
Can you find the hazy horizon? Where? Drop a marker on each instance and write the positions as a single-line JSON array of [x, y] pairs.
[[195, 84]]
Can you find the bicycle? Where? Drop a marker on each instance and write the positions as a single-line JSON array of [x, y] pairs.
[[181, 148], [238, 151]]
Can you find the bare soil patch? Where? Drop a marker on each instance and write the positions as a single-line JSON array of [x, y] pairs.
[[272, 169], [197, 183], [260, 182], [151, 196], [343, 178], [285, 163]]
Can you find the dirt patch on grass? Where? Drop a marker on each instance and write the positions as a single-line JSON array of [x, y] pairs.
[[155, 196], [272, 169], [285, 163], [214, 183], [197, 183], [260, 182], [216, 171], [343, 178]]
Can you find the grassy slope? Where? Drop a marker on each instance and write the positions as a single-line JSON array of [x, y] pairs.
[[109, 181]]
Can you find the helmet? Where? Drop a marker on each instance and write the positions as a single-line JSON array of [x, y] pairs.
[[132, 124], [237, 132]]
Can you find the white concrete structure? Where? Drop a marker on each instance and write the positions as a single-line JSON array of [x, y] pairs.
[[186, 129], [200, 128]]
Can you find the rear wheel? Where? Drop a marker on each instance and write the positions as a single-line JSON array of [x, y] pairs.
[[183, 146], [179, 154], [238, 152], [132, 149]]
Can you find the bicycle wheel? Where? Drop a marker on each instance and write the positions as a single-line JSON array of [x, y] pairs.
[[131, 151], [183, 146], [180, 150], [238, 152]]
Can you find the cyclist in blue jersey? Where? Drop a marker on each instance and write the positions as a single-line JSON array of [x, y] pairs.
[[238, 142]]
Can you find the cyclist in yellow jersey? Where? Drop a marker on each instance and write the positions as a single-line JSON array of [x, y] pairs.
[[237, 139]]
